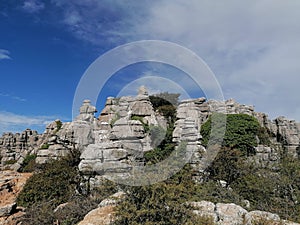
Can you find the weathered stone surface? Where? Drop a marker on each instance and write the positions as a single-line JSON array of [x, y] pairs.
[[128, 129], [255, 216], [14, 147], [204, 209], [113, 199], [99, 216], [87, 111], [11, 183], [104, 214], [230, 214], [7, 210]]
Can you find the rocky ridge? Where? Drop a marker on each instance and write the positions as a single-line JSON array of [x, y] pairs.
[[117, 140]]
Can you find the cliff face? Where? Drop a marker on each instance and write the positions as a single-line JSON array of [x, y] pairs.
[[118, 139]]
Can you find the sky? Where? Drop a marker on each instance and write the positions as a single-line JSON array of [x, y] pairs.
[[46, 46]]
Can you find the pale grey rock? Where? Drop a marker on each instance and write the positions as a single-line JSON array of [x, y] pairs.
[[204, 209], [253, 216], [14, 147], [7, 210], [142, 91], [230, 214], [128, 129], [113, 199], [87, 111]]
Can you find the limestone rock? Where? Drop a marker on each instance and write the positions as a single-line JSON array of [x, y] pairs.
[[230, 214], [87, 111], [112, 200], [128, 129], [104, 214], [253, 216], [7, 210], [14, 147], [204, 209], [99, 216]]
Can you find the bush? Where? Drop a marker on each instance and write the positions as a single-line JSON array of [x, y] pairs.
[[58, 125], [165, 103], [10, 162], [72, 212], [241, 131], [141, 119], [45, 146], [160, 203], [28, 164], [56, 184]]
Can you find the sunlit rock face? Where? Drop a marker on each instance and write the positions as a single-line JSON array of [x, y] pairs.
[[117, 140]]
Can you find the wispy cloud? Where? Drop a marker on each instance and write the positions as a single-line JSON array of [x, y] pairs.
[[33, 6], [102, 22], [11, 122], [252, 46], [17, 98], [4, 54]]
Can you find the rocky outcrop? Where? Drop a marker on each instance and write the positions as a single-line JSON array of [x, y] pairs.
[[60, 139], [118, 139], [122, 137], [284, 134], [14, 147], [232, 214], [11, 183], [105, 212]]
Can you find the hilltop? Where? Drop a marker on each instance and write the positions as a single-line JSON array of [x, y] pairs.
[[133, 132]]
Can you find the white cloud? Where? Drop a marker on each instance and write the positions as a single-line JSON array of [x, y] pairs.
[[4, 54], [252, 46], [13, 97], [33, 6], [11, 122]]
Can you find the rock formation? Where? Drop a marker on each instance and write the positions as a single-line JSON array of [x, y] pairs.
[[117, 140], [11, 183], [14, 147], [232, 214], [122, 136]]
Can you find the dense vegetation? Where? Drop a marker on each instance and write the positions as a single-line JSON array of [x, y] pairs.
[[273, 190], [55, 183], [165, 103]]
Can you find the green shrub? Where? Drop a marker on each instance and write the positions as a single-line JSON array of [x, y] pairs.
[[28, 164], [114, 120], [45, 146], [10, 162], [165, 103], [141, 119], [200, 220], [160, 203], [72, 212], [58, 125], [55, 184], [241, 131]]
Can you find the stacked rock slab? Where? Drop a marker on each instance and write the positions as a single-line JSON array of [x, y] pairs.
[[118, 139], [14, 147], [192, 113], [122, 137], [60, 139], [232, 214]]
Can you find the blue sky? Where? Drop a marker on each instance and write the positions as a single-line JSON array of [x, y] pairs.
[[46, 46]]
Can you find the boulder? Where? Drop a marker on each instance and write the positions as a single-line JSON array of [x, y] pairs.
[[255, 216], [230, 214]]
